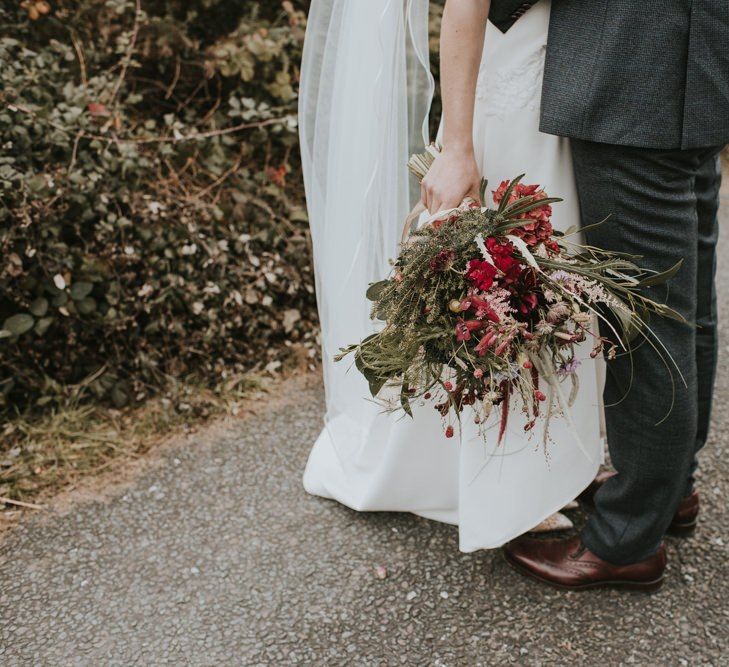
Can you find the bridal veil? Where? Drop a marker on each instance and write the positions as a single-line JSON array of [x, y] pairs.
[[365, 95]]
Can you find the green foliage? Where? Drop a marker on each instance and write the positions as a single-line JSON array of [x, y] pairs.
[[151, 219]]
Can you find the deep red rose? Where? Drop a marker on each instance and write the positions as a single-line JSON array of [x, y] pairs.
[[481, 274]]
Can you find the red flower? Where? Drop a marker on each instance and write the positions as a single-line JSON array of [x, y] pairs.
[[525, 190], [487, 340], [536, 232], [520, 190], [524, 296], [481, 274], [483, 308], [465, 327], [501, 253], [552, 246], [511, 276], [442, 260], [501, 190], [539, 229], [528, 303]]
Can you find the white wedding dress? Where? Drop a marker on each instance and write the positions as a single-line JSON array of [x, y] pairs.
[[370, 460]]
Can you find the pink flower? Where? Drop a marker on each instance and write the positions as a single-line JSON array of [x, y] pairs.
[[487, 340]]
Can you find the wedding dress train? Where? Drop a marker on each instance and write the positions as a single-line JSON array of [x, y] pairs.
[[373, 461]]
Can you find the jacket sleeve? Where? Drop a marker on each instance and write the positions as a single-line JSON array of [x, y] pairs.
[[504, 13]]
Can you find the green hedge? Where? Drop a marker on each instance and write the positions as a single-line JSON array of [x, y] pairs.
[[152, 223], [152, 219]]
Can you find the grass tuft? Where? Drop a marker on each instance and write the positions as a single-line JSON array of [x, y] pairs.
[[43, 455]]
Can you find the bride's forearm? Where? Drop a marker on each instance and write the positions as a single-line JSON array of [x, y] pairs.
[[455, 174], [461, 47]]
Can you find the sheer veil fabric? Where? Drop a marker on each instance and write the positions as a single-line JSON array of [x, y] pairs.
[[365, 94], [364, 100]]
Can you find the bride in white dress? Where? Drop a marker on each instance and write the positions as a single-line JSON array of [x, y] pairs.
[[364, 96]]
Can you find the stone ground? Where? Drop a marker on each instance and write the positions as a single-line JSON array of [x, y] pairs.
[[215, 556]]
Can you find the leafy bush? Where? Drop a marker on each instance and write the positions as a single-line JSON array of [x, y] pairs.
[[152, 223]]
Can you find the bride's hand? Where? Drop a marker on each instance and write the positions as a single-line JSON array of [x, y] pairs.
[[453, 177]]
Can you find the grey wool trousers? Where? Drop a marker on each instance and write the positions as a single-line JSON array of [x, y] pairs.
[[663, 206]]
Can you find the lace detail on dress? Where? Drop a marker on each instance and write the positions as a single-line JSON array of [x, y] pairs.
[[500, 92]]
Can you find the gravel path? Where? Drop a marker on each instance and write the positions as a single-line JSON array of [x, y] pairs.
[[216, 556]]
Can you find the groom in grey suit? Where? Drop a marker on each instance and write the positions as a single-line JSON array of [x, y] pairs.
[[641, 87]]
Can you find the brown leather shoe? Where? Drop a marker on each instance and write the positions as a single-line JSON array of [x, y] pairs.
[[686, 517], [684, 521], [570, 564], [588, 495]]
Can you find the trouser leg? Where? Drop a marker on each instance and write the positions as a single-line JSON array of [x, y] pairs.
[[708, 183], [652, 422]]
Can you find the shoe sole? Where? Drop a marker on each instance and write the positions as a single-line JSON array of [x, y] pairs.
[[641, 586]]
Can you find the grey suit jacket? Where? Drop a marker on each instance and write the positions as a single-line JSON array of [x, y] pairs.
[[650, 73]]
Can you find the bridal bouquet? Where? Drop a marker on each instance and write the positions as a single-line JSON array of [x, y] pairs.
[[487, 303]]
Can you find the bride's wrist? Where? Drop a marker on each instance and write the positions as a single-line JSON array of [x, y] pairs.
[[464, 149]]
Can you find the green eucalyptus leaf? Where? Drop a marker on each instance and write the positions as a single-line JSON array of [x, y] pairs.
[[663, 277], [375, 290]]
